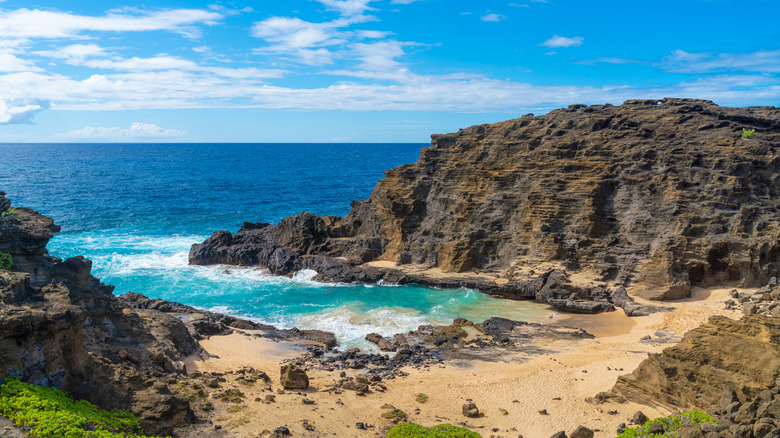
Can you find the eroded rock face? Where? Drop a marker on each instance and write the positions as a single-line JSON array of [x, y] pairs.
[[658, 194], [742, 355], [62, 327]]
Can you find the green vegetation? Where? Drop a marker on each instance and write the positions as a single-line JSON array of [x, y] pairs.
[[6, 213], [421, 398], [671, 424], [503, 411], [748, 133], [6, 261], [395, 415], [413, 430], [50, 413]]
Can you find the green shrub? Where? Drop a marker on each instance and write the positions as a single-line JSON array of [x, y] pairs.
[[413, 430], [51, 413], [671, 425], [747, 133], [6, 261]]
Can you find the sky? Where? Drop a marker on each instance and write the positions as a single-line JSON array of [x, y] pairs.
[[362, 70]]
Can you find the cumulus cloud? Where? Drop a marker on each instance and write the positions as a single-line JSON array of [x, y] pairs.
[[20, 111], [74, 53], [35, 23], [559, 41], [492, 17], [136, 132]]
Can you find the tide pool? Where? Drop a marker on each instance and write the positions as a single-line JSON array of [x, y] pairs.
[[135, 210]]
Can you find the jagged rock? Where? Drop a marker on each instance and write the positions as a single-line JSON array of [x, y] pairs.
[[62, 327], [655, 194], [639, 418], [293, 377]]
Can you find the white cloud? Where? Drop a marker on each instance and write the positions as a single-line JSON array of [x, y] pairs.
[[136, 132], [492, 17], [348, 7], [35, 23], [74, 53], [559, 41], [762, 61], [17, 111]]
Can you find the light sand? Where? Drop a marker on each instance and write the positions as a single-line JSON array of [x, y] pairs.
[[580, 369]]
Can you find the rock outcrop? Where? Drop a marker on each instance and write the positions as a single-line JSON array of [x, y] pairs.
[[743, 355], [652, 195], [62, 327]]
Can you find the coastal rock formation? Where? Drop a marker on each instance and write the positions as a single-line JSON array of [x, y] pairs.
[[743, 356], [62, 327], [656, 195]]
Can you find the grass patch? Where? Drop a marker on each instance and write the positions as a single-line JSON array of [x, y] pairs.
[[421, 398], [503, 411], [51, 413], [748, 133], [413, 430], [236, 408], [671, 425]]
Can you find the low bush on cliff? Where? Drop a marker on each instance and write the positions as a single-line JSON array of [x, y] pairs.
[[413, 430], [671, 425], [748, 133], [6, 261], [51, 413]]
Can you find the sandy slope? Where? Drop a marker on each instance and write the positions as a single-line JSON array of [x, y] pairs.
[[557, 382]]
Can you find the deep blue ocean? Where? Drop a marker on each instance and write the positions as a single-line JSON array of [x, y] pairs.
[[135, 210]]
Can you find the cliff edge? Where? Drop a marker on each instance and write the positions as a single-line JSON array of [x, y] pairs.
[[652, 195]]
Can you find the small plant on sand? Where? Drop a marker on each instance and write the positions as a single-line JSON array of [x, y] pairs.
[[413, 430], [503, 411], [421, 398], [51, 413], [6, 261], [394, 414], [748, 133], [671, 424]]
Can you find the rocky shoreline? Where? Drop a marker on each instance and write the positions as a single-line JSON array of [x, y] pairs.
[[587, 209], [654, 196]]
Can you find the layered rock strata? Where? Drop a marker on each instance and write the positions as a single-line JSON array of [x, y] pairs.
[[654, 195]]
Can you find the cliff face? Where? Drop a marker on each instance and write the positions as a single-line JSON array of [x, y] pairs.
[[659, 195], [62, 327]]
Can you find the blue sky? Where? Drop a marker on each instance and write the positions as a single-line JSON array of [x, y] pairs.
[[362, 70]]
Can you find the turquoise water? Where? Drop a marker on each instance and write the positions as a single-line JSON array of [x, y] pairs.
[[135, 210]]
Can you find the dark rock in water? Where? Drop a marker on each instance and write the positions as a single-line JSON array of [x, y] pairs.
[[470, 410], [293, 377], [661, 195]]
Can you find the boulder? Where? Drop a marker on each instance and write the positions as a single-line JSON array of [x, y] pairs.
[[293, 377]]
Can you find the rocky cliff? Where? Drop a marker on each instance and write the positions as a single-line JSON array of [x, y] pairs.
[[62, 327], [652, 195]]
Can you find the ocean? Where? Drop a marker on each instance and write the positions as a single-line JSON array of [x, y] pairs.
[[135, 210]]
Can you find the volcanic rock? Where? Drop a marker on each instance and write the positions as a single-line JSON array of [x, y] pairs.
[[293, 377], [62, 327], [658, 195]]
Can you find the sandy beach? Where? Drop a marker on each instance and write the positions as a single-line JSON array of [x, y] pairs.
[[508, 393]]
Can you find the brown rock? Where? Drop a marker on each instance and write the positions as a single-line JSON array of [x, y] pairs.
[[470, 410], [293, 377], [720, 354]]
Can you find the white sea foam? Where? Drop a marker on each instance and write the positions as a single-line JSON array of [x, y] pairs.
[[351, 327]]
